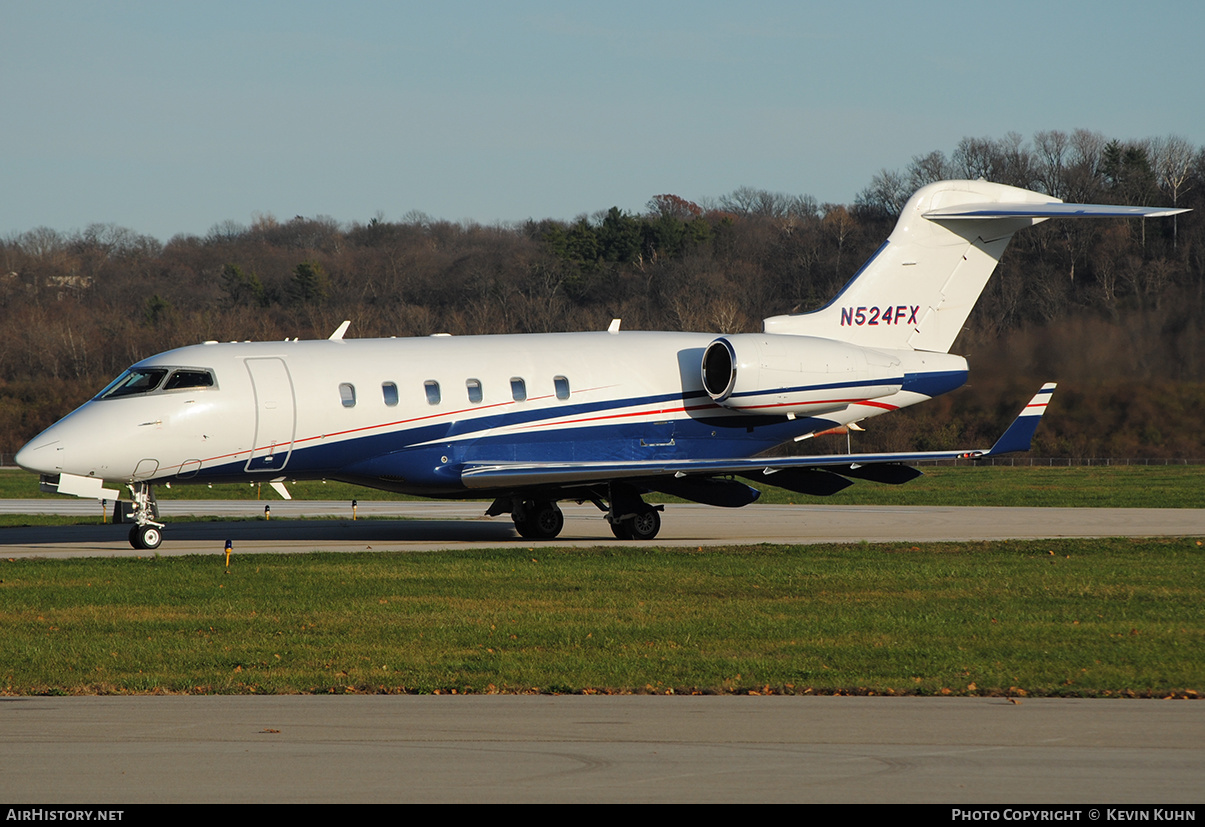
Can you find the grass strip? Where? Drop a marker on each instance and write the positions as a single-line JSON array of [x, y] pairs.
[[1090, 618]]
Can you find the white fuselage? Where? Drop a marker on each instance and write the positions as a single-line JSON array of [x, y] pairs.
[[407, 414]]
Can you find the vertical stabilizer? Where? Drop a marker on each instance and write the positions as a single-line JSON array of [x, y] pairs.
[[918, 289]]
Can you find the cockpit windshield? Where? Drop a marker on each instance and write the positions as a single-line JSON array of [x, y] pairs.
[[137, 381], [133, 381]]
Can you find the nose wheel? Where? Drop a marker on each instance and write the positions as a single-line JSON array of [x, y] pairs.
[[146, 537]]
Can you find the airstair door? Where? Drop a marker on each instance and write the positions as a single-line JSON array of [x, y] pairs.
[[275, 414]]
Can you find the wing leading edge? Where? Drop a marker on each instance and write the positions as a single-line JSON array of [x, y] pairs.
[[1017, 437]]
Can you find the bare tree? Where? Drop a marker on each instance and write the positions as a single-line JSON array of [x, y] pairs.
[[1083, 171], [977, 158], [927, 169], [1016, 162], [1172, 160], [1051, 148], [887, 194]]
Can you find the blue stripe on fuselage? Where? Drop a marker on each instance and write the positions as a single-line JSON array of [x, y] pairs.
[[935, 382], [415, 450], [434, 468]]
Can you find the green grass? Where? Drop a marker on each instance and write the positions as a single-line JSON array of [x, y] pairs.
[[1050, 618], [1117, 486], [1134, 486]]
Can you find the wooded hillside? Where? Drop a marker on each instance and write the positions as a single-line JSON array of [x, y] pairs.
[[1111, 309]]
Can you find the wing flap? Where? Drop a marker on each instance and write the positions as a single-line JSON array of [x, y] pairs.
[[522, 474]]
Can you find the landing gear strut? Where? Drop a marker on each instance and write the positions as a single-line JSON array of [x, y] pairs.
[[146, 534]]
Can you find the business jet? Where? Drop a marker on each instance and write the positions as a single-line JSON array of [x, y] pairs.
[[605, 417]]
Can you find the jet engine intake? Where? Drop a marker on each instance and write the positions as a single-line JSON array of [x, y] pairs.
[[798, 375]]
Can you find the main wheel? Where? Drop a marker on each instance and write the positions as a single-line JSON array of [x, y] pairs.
[[645, 525], [147, 537], [620, 529], [540, 521]]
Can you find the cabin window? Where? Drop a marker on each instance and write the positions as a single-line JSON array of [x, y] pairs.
[[347, 394], [518, 389], [432, 389], [182, 379], [474, 387], [562, 387], [389, 392]]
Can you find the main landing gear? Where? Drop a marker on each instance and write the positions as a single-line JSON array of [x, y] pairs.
[[146, 534], [643, 525], [537, 520], [629, 516]]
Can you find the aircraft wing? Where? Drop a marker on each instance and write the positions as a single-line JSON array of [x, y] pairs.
[[1017, 437]]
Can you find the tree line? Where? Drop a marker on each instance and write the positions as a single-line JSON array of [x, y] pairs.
[[1107, 305]]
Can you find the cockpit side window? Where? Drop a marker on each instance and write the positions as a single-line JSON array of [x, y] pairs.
[[134, 381], [191, 378]]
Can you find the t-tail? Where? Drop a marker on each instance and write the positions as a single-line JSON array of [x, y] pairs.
[[919, 288]]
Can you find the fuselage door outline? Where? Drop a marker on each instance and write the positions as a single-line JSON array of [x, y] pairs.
[[275, 414]]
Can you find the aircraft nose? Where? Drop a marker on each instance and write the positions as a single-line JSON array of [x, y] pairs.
[[42, 456]]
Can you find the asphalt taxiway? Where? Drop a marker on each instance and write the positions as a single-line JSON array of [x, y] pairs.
[[500, 749], [431, 526]]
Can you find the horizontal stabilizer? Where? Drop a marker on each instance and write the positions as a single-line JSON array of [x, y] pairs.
[[1054, 209]]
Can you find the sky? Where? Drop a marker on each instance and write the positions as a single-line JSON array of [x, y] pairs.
[[170, 118]]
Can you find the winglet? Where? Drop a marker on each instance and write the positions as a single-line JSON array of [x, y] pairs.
[[340, 330], [1020, 434]]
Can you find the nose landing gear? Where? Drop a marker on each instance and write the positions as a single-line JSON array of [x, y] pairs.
[[147, 534]]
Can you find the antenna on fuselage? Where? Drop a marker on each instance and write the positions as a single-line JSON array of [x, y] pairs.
[[340, 330]]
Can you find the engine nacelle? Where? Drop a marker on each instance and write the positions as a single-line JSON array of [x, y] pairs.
[[800, 375]]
